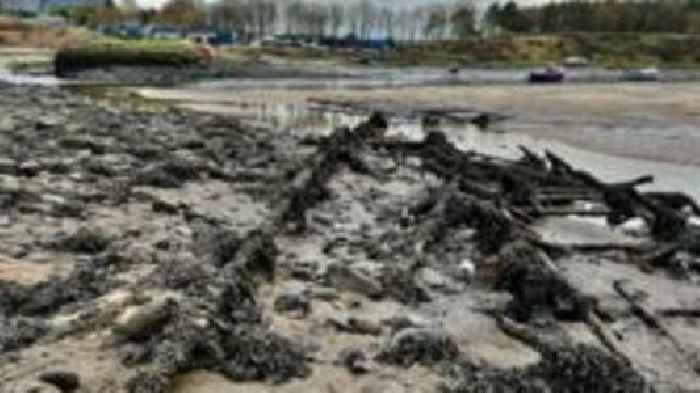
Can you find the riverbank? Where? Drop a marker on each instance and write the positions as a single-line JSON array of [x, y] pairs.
[[150, 249], [605, 50]]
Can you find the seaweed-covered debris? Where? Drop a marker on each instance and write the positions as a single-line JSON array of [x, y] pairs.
[[378, 120], [226, 335], [309, 185], [257, 255], [218, 244], [448, 208], [17, 333], [400, 283], [416, 345], [170, 174], [87, 281], [84, 240], [354, 360], [567, 370], [66, 382], [537, 291]]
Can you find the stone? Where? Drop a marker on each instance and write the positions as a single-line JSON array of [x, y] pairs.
[[352, 278], [635, 227], [355, 360], [65, 381], [326, 294], [40, 387], [612, 309], [46, 122], [139, 321], [401, 322], [165, 207], [466, 270], [304, 270], [414, 345], [7, 166], [29, 168], [9, 184], [53, 199], [431, 278], [354, 325], [294, 297], [293, 303]]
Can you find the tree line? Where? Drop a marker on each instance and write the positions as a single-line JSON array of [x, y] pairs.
[[258, 18], [363, 19], [643, 16], [452, 19]]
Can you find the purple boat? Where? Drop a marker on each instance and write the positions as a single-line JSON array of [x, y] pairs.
[[548, 75]]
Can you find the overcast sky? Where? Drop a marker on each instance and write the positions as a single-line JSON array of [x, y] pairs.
[[157, 3]]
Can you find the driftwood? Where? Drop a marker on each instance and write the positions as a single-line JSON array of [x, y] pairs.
[[309, 185], [646, 314], [679, 312]]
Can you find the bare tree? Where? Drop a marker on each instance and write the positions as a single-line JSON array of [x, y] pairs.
[[367, 18], [317, 17], [336, 15], [463, 19], [437, 23], [294, 12], [264, 14], [387, 19], [230, 14], [415, 23]]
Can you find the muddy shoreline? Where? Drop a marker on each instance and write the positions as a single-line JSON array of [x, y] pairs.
[[639, 121], [151, 249]]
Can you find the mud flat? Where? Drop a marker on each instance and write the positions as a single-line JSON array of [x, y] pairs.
[[642, 121], [155, 249]]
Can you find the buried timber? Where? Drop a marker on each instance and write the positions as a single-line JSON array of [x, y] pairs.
[[162, 250]]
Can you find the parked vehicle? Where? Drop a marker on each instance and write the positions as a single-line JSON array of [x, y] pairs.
[[548, 75], [650, 74]]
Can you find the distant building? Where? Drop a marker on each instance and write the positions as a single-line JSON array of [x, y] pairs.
[[40, 6], [29, 6]]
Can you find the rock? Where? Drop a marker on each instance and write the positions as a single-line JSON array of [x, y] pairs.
[[39, 387], [466, 270], [353, 325], [29, 168], [612, 309], [431, 278], [378, 120], [538, 292], [355, 360], [140, 321], [397, 323], [66, 382], [351, 278], [424, 346], [165, 207], [294, 297], [635, 227], [326, 294], [89, 143], [58, 203], [9, 184], [8, 166], [304, 270], [46, 122], [19, 251]]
